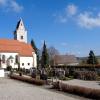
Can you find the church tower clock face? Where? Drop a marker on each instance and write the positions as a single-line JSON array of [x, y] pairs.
[[20, 33]]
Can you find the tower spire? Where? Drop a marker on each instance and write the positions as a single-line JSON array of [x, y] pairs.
[[20, 32]]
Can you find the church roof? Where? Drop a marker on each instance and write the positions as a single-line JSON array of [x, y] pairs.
[[15, 46], [20, 22]]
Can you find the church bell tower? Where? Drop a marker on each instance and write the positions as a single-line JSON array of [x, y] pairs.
[[20, 33]]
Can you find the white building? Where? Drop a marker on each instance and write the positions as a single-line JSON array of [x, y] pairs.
[[17, 52]]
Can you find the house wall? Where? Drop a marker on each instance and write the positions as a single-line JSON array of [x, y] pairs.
[[34, 60], [24, 62], [2, 74], [7, 55]]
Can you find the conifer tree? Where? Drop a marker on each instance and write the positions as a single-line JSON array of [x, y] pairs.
[[36, 51], [33, 45], [92, 59], [45, 57]]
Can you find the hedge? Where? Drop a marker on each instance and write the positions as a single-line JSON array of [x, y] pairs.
[[78, 90], [26, 79]]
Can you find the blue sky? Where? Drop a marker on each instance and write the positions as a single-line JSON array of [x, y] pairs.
[[71, 26]]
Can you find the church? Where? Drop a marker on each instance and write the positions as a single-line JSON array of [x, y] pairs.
[[17, 52]]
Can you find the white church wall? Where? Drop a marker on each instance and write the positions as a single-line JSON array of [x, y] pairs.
[[4, 65], [34, 60], [2, 74], [26, 62], [16, 66], [7, 55]]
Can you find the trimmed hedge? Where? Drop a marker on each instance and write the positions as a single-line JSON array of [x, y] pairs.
[[85, 75], [26, 79], [78, 90]]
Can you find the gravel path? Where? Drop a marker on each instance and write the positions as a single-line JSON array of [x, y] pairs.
[[16, 90]]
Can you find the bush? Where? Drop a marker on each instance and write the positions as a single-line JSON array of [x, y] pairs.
[[85, 75], [43, 77], [71, 77], [33, 75], [9, 68], [62, 78], [26, 79], [82, 91], [20, 73]]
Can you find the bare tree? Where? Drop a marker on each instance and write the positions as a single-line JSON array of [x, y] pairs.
[[52, 52]]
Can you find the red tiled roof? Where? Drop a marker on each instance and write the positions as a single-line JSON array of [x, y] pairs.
[[15, 46]]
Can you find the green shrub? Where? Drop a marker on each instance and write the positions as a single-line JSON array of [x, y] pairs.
[[71, 77], [62, 78]]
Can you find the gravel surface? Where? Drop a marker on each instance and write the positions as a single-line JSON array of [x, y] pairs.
[[16, 90]]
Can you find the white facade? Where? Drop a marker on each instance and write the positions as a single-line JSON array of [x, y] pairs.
[[34, 60], [26, 62], [20, 32], [15, 50], [2, 74], [8, 59]]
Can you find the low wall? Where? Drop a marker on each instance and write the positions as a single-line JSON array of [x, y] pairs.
[[2, 74]]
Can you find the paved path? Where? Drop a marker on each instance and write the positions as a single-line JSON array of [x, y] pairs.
[[16, 90]]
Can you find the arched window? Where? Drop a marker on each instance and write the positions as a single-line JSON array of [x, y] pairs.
[[3, 58], [16, 59]]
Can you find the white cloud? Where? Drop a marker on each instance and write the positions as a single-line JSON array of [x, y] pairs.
[[11, 5], [87, 20], [16, 7], [68, 11], [71, 9]]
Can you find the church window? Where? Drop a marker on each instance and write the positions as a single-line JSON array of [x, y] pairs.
[[28, 63], [22, 64], [21, 37], [3, 58]]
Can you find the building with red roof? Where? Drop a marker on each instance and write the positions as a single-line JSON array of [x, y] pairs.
[[17, 52]]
